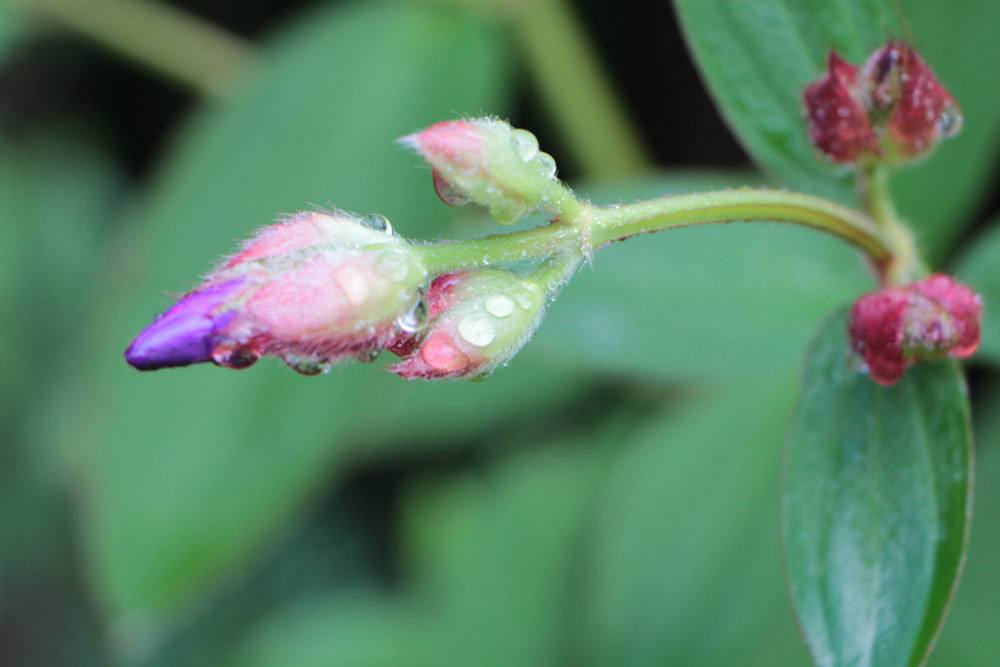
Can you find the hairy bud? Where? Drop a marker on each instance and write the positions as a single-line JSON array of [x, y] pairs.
[[479, 320], [488, 162], [894, 327], [312, 289], [893, 109]]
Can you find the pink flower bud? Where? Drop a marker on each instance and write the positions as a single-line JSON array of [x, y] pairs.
[[312, 289], [838, 123], [479, 320], [894, 109], [896, 326], [488, 162], [903, 88]]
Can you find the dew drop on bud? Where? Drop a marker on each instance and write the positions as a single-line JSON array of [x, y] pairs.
[[234, 357], [379, 223], [950, 121], [525, 144], [508, 212], [411, 321], [547, 165], [499, 305], [525, 299], [367, 356], [477, 330], [446, 192]]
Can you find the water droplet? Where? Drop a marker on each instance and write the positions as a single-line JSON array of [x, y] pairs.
[[950, 121], [525, 298], [525, 144], [499, 305], [234, 357], [547, 165], [367, 356], [379, 223], [477, 330], [412, 320], [448, 194], [393, 265]]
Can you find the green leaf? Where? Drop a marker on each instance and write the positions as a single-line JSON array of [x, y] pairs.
[[876, 506], [190, 473], [702, 302], [682, 565], [941, 194], [978, 268], [757, 58], [969, 639]]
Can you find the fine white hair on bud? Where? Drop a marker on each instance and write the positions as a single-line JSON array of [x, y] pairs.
[[486, 161]]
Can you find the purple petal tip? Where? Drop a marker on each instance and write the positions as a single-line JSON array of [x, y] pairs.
[[185, 334]]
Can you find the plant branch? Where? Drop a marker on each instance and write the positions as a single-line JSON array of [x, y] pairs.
[[603, 225], [165, 39]]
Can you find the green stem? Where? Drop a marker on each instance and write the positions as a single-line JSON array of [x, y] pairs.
[[599, 226], [573, 86], [165, 39], [873, 191]]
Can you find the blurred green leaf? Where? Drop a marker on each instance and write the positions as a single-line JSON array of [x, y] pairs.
[[190, 472], [12, 27], [756, 59], [980, 268], [701, 302], [682, 564], [876, 505], [940, 195], [969, 638]]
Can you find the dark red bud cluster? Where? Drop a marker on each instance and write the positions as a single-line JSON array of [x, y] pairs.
[[896, 326]]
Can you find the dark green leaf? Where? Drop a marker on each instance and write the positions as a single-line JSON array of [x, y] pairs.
[[980, 268], [876, 506], [701, 302], [190, 472], [682, 562], [758, 56]]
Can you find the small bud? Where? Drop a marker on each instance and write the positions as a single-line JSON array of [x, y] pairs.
[[893, 110], [896, 326], [838, 123], [488, 162], [916, 108], [312, 289], [479, 320]]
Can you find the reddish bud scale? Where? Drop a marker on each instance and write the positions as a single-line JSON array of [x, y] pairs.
[[896, 326], [838, 124]]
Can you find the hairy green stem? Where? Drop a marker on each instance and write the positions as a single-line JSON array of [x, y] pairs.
[[596, 226], [575, 90], [163, 38], [873, 191]]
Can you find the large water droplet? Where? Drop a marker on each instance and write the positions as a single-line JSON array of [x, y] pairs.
[[414, 319], [448, 194], [234, 357], [499, 305], [525, 144], [477, 330], [393, 265], [379, 223], [546, 164], [525, 298]]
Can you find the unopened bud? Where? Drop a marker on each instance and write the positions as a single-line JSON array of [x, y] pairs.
[[893, 109], [312, 289], [488, 162], [897, 326], [479, 320]]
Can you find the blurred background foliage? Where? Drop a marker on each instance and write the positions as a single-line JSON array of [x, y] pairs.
[[610, 498]]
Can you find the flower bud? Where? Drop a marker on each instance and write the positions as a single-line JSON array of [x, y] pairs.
[[896, 326], [838, 123], [312, 289], [486, 161], [479, 320], [893, 109], [916, 109]]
